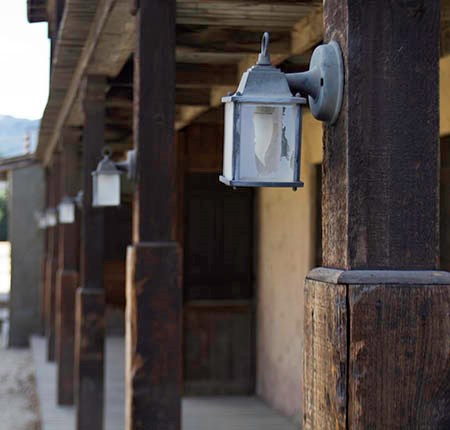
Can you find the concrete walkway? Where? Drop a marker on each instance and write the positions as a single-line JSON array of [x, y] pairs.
[[213, 413]]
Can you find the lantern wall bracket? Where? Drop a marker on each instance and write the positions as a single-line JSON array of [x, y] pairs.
[[323, 83], [129, 165]]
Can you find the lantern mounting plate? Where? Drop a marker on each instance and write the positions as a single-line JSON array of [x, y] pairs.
[[323, 83]]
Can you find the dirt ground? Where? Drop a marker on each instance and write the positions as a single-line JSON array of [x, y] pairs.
[[18, 401]]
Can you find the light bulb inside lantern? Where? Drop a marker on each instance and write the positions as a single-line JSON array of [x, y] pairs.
[[267, 122], [66, 211]]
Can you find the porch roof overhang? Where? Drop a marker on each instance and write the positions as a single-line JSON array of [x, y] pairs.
[[37, 10], [216, 41]]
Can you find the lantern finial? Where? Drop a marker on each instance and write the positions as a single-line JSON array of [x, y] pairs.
[[264, 56]]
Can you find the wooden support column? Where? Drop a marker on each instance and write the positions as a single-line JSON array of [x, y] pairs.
[[67, 276], [90, 298], [52, 259], [153, 324], [377, 326]]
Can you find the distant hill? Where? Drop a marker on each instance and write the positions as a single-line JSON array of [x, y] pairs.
[[13, 135]]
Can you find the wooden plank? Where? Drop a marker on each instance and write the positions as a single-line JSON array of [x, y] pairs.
[[399, 356], [154, 367], [325, 364], [382, 216], [201, 75], [90, 319], [154, 112], [52, 260], [67, 275], [154, 295]]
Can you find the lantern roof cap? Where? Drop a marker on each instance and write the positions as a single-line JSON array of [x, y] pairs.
[[264, 83], [106, 165]]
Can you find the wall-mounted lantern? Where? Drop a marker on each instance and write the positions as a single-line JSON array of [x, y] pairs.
[[66, 210], [79, 199], [51, 217], [106, 179], [41, 219], [262, 145]]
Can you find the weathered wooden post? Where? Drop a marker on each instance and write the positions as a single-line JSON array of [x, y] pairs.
[[153, 373], [67, 276], [377, 325], [52, 258], [90, 298]]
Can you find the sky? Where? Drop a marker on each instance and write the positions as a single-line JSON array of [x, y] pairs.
[[24, 62]]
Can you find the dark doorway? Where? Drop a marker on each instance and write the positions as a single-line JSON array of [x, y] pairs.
[[218, 288]]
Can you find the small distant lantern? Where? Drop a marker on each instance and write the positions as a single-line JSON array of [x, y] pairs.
[[106, 179], [262, 145], [51, 218], [40, 219], [66, 211]]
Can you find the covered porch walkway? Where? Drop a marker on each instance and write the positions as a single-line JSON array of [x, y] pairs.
[[214, 413]]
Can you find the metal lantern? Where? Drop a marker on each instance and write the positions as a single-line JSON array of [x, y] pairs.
[[106, 183], [262, 129], [106, 179], [40, 217], [51, 218], [66, 211], [262, 145]]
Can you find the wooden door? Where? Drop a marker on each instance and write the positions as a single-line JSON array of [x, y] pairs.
[[218, 288]]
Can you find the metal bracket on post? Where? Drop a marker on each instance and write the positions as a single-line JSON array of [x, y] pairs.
[[323, 83]]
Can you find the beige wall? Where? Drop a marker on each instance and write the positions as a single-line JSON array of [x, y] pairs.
[[285, 254], [445, 95]]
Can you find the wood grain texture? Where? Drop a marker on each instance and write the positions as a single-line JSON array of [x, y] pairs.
[[67, 284], [325, 371], [153, 324], [92, 225], [89, 358], [154, 211], [399, 362], [380, 160]]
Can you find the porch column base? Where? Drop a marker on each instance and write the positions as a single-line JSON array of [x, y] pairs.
[[376, 349], [153, 336], [66, 285], [50, 277], [89, 358]]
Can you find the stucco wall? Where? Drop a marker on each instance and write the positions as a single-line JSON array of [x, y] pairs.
[[26, 196], [285, 254]]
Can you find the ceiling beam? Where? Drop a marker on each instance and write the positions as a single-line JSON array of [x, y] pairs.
[[201, 75]]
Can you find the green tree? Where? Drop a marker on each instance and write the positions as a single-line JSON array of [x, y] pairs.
[[3, 216]]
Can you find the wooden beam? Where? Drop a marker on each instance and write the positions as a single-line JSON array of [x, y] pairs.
[[192, 96], [376, 352], [201, 75], [67, 276], [90, 299], [52, 259], [154, 295]]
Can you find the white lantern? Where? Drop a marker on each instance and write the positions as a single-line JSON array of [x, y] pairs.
[[66, 211], [262, 129], [40, 219], [106, 183], [51, 218], [262, 145]]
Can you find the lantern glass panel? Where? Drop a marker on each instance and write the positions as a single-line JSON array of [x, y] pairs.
[[268, 147], [106, 190], [66, 212], [51, 220], [228, 141]]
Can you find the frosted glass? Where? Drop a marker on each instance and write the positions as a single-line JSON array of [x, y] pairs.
[[66, 213], [268, 142], [108, 190], [228, 141]]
